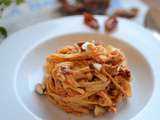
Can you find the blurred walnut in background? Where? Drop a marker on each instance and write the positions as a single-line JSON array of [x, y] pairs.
[[80, 6]]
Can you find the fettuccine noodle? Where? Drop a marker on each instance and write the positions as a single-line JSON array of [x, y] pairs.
[[87, 78]]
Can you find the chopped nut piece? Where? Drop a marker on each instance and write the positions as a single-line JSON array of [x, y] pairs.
[[90, 21], [97, 66], [113, 109], [127, 13], [43, 86], [111, 24], [86, 45], [99, 111], [40, 88]]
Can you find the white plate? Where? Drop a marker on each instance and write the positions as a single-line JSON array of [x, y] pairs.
[[23, 55]]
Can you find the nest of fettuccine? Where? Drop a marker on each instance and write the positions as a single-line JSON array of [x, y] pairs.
[[87, 77]]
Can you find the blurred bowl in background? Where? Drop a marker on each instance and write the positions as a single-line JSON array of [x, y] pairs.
[[80, 6]]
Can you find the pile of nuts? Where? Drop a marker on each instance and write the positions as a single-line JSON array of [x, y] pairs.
[[72, 7], [80, 6]]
